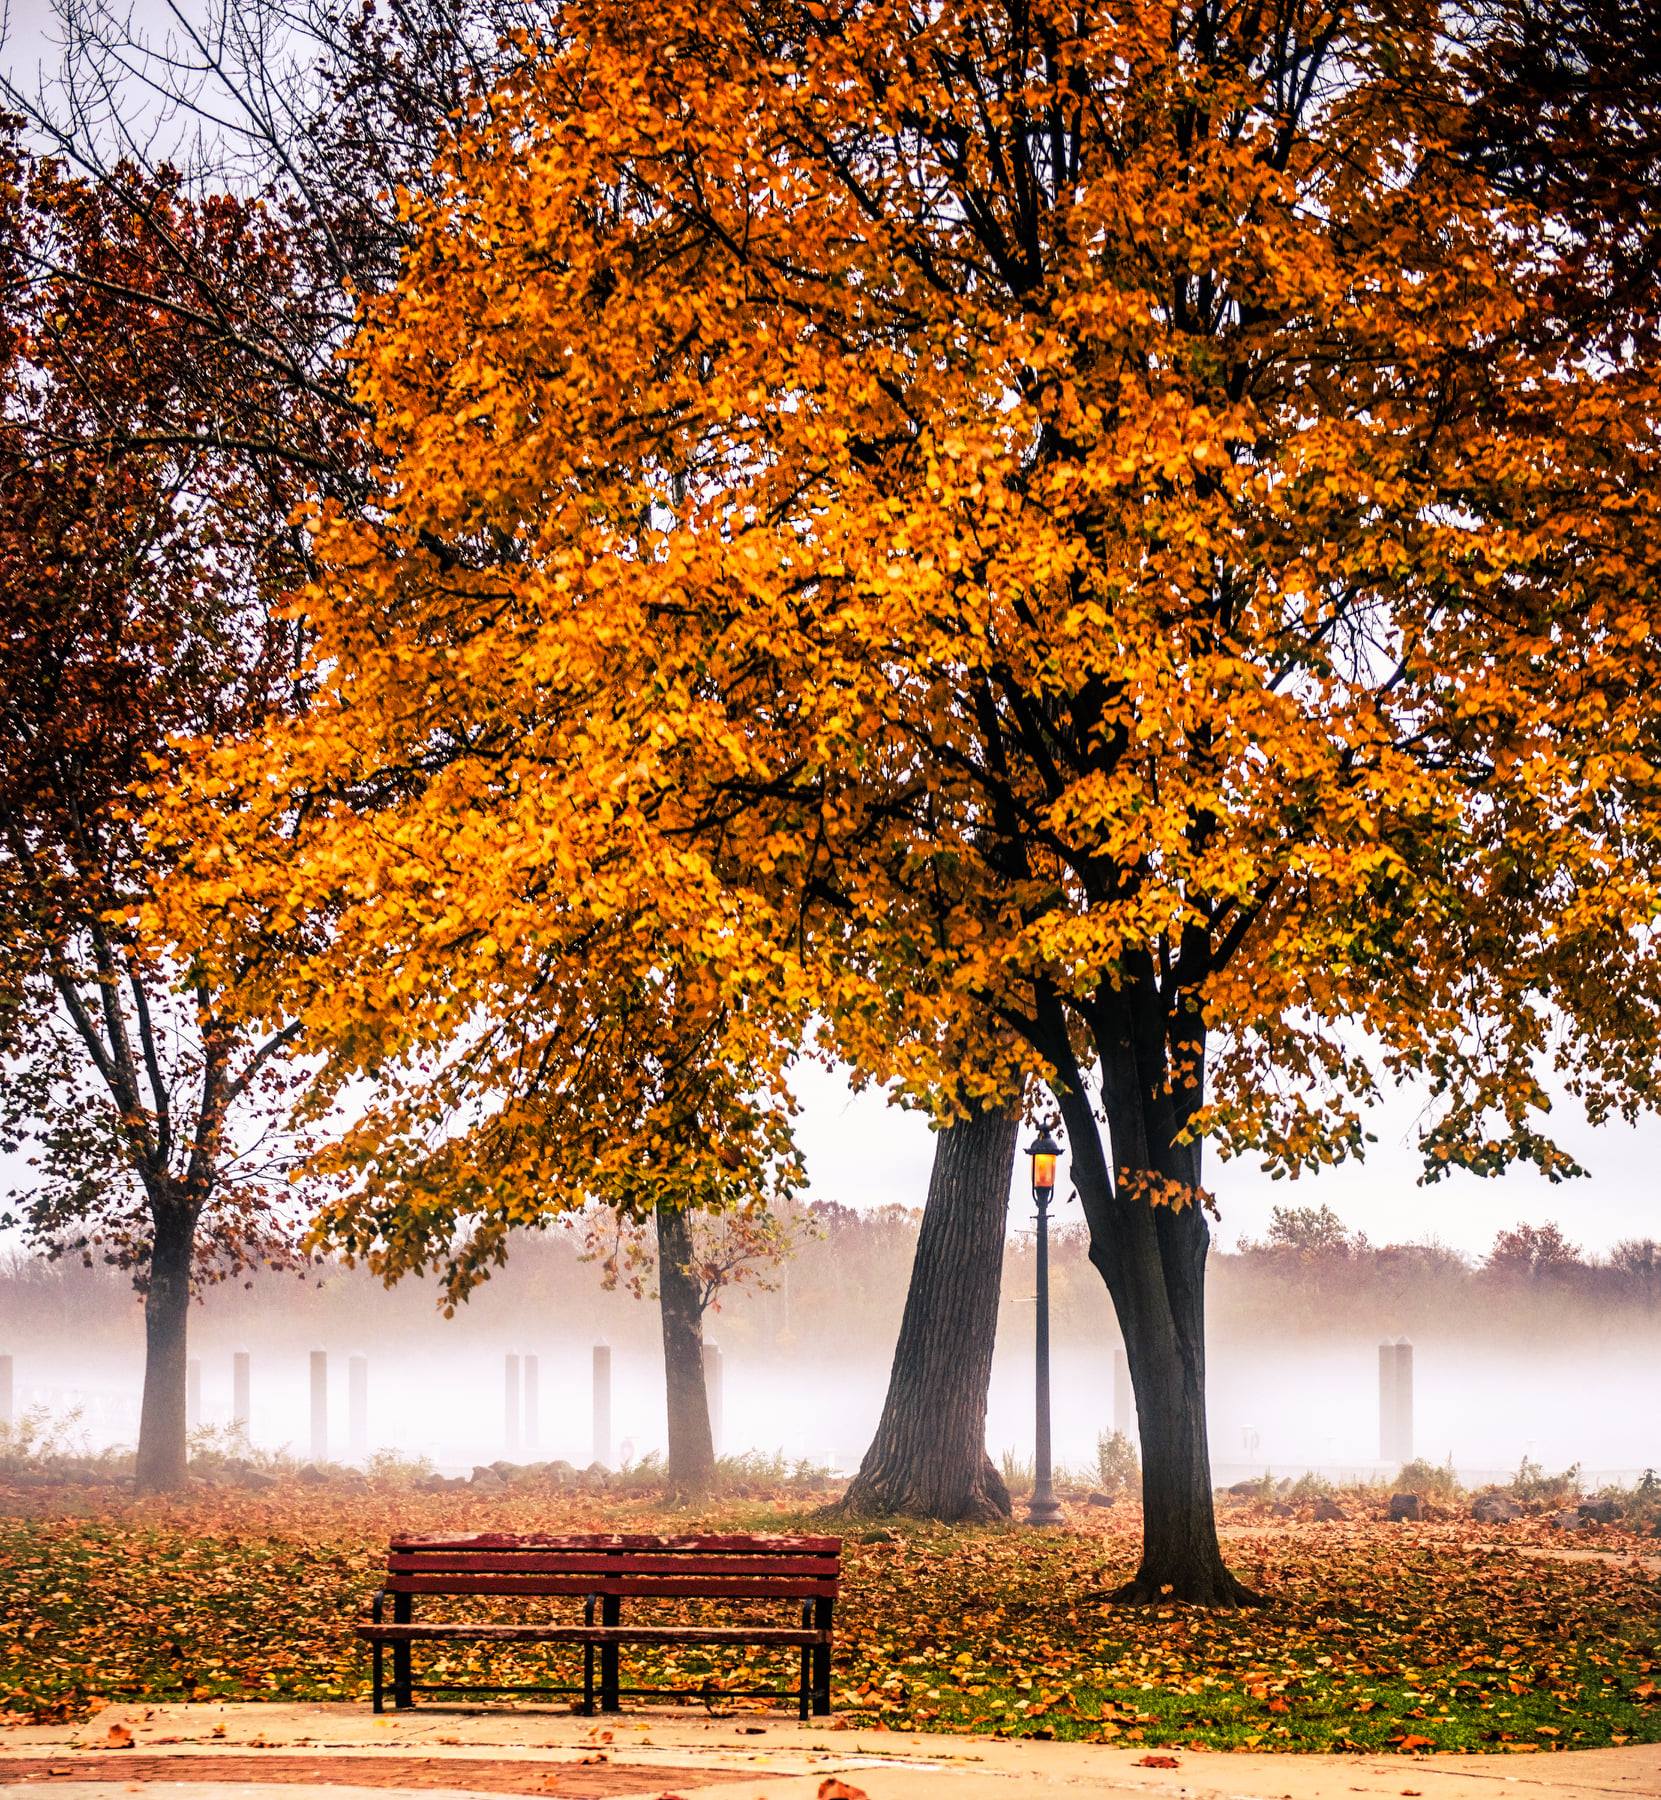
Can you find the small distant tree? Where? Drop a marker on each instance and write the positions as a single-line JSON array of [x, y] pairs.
[[723, 1250], [1311, 1230], [1638, 1262], [1118, 1467], [697, 1257], [1533, 1251]]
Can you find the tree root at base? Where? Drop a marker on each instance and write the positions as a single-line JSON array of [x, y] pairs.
[[884, 1494], [1219, 1589]]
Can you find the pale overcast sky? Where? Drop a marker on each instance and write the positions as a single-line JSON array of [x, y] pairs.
[[23, 39], [863, 1152]]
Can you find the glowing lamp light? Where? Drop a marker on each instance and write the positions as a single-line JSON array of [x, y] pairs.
[[1044, 1151]]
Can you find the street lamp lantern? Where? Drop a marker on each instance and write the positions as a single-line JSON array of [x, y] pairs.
[[1044, 1151], [1043, 1508]]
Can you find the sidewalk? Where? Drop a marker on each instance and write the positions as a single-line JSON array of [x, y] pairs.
[[232, 1752]]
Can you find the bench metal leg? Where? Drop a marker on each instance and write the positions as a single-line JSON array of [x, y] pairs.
[[805, 1687], [611, 1613], [376, 1664], [822, 1659], [589, 1605], [402, 1694]]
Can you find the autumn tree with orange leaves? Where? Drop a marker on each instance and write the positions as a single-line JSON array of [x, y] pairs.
[[1111, 548]]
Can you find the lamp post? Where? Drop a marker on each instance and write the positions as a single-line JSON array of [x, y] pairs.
[[1043, 1508]]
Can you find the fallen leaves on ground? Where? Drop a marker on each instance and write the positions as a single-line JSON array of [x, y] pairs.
[[1380, 1637]]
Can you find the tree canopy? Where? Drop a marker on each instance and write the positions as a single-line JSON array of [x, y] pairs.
[[1110, 546]]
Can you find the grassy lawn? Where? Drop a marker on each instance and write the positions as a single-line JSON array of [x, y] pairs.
[[1417, 1637]]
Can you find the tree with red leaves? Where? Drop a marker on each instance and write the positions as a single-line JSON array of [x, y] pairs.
[[147, 475]]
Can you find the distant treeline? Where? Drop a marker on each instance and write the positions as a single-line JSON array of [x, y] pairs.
[[1309, 1275], [841, 1291]]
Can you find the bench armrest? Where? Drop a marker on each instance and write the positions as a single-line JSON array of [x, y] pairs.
[[377, 1605]]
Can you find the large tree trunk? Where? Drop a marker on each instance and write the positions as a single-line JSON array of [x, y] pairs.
[[1148, 1241], [1181, 1557], [928, 1457], [163, 1450], [691, 1448]]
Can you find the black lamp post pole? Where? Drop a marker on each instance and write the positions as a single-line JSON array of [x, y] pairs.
[[1043, 1508]]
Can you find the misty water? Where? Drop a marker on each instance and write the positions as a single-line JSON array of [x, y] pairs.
[[1313, 1404]]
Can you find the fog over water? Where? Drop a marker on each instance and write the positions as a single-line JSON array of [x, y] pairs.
[[1576, 1392], [1486, 1411]]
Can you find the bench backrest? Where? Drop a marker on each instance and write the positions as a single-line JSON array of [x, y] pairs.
[[738, 1568]]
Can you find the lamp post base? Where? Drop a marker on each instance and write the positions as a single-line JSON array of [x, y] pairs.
[[1044, 1509]]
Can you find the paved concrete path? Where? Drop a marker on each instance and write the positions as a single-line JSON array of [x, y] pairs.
[[231, 1752]]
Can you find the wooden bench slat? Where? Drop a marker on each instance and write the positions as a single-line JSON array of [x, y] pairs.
[[496, 1562], [597, 1541], [600, 1634], [644, 1587]]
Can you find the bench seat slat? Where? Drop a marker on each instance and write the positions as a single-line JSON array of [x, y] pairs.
[[495, 1562], [644, 1587], [599, 1634]]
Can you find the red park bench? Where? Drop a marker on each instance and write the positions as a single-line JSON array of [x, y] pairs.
[[603, 1572]]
